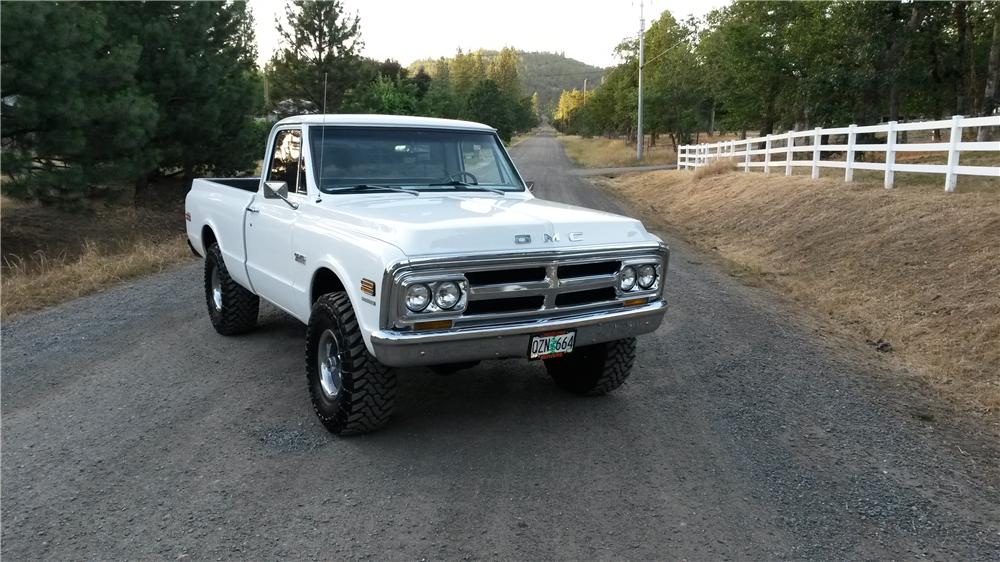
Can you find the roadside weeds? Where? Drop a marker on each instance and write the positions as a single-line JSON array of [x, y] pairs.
[[601, 152], [913, 271], [51, 255], [40, 281]]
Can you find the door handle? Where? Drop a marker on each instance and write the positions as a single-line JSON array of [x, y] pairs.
[[253, 210]]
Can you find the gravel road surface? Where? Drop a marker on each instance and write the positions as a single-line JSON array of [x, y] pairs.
[[749, 430]]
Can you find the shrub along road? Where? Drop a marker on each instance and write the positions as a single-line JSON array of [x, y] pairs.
[[748, 430]]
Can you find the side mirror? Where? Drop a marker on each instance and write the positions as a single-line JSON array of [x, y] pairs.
[[278, 190], [531, 185]]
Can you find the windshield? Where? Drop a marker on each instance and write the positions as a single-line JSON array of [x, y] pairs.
[[424, 160]]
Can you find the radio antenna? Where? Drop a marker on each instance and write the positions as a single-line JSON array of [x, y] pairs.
[[322, 148]]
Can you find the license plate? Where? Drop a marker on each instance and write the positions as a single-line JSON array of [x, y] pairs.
[[551, 344]]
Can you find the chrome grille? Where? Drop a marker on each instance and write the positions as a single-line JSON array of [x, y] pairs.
[[531, 286], [580, 284]]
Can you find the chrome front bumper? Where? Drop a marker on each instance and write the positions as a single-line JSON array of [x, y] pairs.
[[409, 349]]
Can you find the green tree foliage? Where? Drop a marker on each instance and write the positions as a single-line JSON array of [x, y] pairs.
[[486, 105], [198, 64], [502, 70], [770, 66], [440, 99], [546, 74], [318, 40], [468, 86], [72, 113]]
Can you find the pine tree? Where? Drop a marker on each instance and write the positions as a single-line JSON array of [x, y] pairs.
[[72, 115], [503, 71], [318, 39]]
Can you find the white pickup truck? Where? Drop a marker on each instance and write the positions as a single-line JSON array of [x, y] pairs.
[[406, 241]]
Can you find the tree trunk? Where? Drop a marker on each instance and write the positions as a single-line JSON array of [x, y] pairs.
[[992, 80]]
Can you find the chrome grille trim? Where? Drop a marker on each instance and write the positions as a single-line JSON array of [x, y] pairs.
[[550, 287]]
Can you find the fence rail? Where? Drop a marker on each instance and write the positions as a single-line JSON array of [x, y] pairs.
[[694, 156]]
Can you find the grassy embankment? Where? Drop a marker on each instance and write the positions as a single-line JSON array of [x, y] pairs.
[[51, 255], [601, 152], [914, 267]]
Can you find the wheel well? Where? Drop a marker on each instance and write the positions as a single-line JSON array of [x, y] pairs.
[[207, 238], [325, 281]]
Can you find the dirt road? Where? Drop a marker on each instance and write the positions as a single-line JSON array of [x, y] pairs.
[[132, 430]]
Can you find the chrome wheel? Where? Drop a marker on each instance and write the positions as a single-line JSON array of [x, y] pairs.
[[328, 360], [216, 289]]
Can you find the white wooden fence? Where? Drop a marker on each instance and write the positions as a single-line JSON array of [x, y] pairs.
[[743, 151]]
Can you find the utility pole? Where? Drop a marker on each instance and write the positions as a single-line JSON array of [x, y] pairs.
[[584, 91], [642, 61]]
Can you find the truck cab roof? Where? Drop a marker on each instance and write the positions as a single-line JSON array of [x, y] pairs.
[[361, 120]]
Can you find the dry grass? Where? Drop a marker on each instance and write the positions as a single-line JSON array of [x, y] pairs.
[[915, 267], [39, 281], [600, 152], [517, 139], [716, 168], [51, 255]]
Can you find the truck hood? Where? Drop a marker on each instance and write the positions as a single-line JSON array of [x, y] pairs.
[[435, 224]]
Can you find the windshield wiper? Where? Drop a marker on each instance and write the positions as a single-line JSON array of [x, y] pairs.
[[366, 186], [467, 187]]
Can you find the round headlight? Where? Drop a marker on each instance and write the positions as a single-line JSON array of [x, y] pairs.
[[626, 278], [417, 297], [647, 276], [447, 295]]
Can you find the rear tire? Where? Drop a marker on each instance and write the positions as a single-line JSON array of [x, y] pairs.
[[232, 309], [594, 369], [351, 391]]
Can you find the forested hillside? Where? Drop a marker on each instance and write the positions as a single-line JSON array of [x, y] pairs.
[[546, 73]]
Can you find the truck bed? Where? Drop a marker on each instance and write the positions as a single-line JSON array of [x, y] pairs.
[[246, 184]]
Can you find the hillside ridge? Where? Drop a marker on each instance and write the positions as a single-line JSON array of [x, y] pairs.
[[543, 72]]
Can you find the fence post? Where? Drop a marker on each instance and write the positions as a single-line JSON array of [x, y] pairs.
[[789, 145], [746, 155], [767, 155], [950, 177], [817, 139], [890, 154], [680, 151], [852, 136]]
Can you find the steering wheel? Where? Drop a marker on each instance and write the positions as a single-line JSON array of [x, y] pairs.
[[464, 174]]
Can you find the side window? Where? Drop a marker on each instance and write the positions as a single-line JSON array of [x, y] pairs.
[[286, 161], [481, 160]]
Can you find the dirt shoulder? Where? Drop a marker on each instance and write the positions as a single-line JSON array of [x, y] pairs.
[[914, 271], [52, 255]]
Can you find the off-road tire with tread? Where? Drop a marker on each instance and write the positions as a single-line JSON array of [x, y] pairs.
[[368, 388], [594, 369], [239, 306]]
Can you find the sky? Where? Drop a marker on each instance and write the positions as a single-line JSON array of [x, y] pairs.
[[407, 30]]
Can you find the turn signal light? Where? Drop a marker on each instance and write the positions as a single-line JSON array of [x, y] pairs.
[[433, 325], [635, 302]]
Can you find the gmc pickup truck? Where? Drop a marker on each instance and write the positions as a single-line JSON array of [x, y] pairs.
[[409, 241]]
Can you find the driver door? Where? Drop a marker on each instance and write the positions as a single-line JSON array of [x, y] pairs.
[[271, 263]]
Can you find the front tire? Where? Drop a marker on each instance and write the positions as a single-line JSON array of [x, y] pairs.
[[351, 391], [232, 309], [594, 369]]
